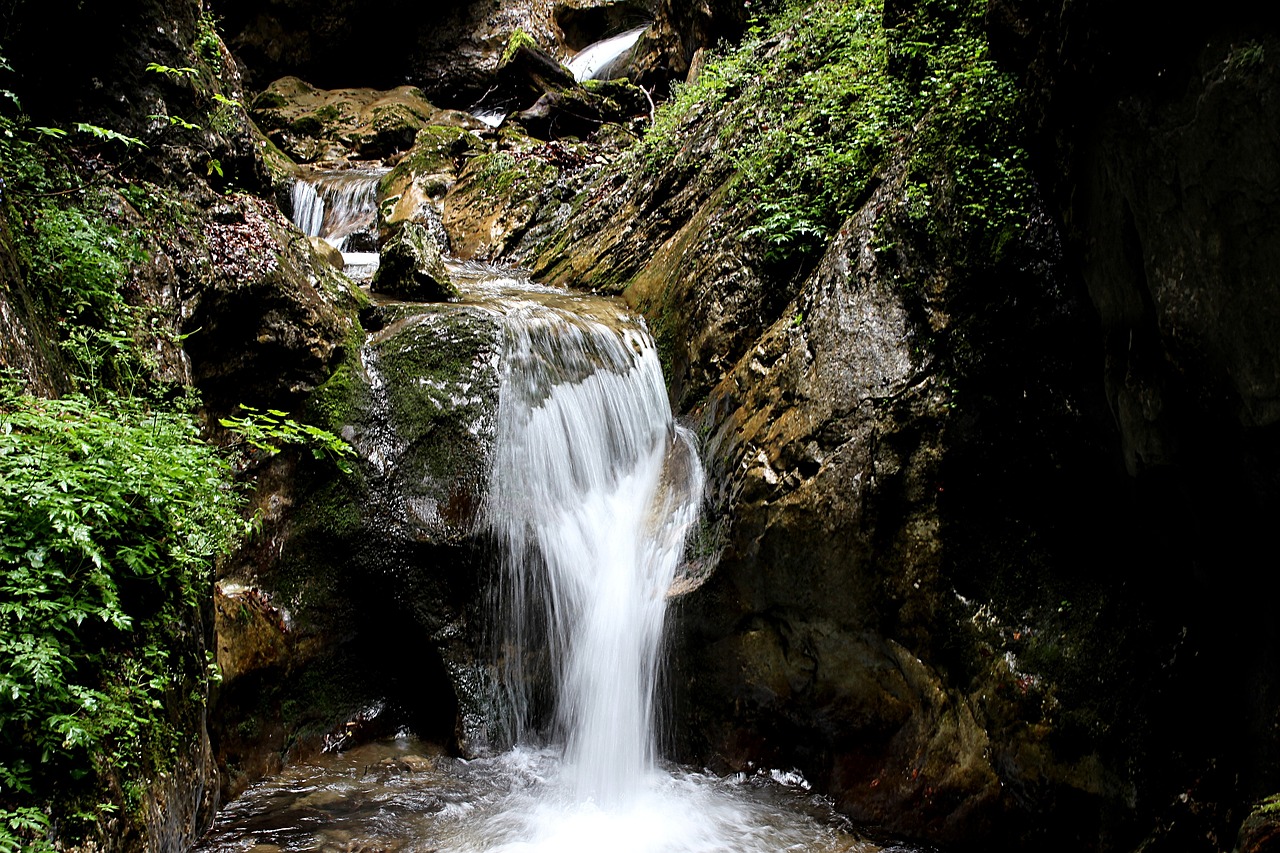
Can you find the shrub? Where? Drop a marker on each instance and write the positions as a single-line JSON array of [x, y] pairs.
[[823, 93], [112, 512]]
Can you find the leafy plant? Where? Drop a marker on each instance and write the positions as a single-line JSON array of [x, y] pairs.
[[108, 135], [170, 71], [267, 432], [207, 45], [823, 92], [112, 512]]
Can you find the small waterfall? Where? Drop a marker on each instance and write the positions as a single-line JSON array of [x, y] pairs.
[[595, 61], [592, 490], [308, 208], [340, 206]]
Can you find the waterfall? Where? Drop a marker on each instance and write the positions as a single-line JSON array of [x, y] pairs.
[[340, 206], [308, 208], [595, 60], [592, 489]]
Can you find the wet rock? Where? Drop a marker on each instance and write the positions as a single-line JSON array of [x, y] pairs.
[[494, 201], [413, 268], [311, 124], [579, 111], [1260, 832], [325, 250], [453, 52]]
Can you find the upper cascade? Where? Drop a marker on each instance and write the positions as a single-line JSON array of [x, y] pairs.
[[597, 61], [337, 204]]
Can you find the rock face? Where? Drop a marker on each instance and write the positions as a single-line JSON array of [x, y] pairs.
[[352, 567], [902, 584]]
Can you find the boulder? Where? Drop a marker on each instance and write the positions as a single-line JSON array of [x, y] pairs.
[[311, 124], [413, 268]]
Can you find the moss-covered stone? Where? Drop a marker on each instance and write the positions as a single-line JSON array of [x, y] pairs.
[[332, 125], [412, 267]]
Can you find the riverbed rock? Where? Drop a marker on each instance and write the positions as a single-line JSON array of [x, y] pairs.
[[311, 124], [412, 267]]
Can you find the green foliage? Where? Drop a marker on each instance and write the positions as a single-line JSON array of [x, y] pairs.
[[518, 39], [112, 512], [823, 94], [267, 432], [207, 45], [76, 259], [170, 71], [106, 134], [82, 262]]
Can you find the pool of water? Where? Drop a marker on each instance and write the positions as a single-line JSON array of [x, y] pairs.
[[400, 796]]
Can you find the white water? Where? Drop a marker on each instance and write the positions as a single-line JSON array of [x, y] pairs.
[[593, 488], [596, 58], [336, 204]]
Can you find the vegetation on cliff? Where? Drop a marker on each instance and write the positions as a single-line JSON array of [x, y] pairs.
[[825, 92], [113, 510], [113, 505]]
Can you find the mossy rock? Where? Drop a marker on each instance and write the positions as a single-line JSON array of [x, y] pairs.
[[311, 123], [412, 268], [494, 202]]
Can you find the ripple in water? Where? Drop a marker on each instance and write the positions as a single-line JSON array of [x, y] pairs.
[[393, 796]]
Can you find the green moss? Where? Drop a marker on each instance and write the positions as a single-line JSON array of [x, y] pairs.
[[518, 39], [269, 101], [423, 366], [307, 125], [437, 148]]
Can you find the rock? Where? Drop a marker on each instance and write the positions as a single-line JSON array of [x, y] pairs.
[[26, 343], [325, 250], [529, 73], [579, 111], [1260, 832], [265, 300], [311, 124], [413, 268]]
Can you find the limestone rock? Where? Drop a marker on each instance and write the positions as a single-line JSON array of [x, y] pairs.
[[325, 250], [311, 124], [413, 268]]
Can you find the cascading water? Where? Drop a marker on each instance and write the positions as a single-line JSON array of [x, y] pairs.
[[337, 205], [592, 490], [595, 60]]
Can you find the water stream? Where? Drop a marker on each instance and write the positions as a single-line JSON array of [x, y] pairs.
[[340, 206], [592, 490]]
